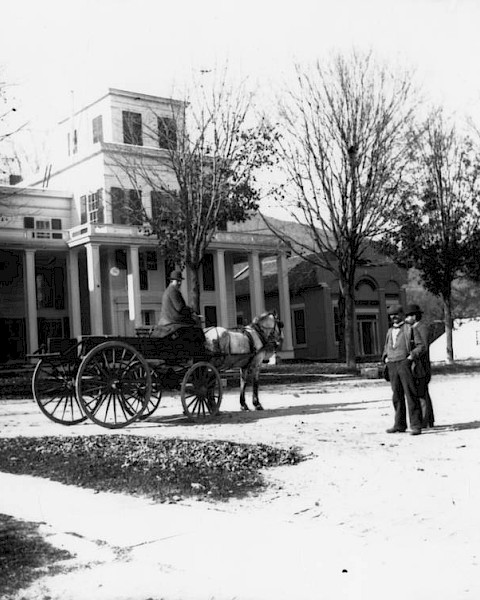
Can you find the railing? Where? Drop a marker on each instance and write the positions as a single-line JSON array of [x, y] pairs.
[[90, 229], [17, 233]]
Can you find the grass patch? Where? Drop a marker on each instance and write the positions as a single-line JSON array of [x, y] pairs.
[[24, 554], [165, 470]]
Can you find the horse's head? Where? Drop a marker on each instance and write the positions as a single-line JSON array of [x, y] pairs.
[[271, 328]]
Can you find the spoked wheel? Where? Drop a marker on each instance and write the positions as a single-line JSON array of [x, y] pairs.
[[201, 391], [53, 387], [155, 396], [113, 384]]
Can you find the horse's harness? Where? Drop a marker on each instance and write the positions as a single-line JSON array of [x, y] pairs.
[[265, 340]]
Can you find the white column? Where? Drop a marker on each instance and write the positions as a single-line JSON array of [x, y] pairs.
[[257, 299], [186, 286], [31, 301], [133, 285], [94, 288], [222, 289], [284, 301], [74, 294]]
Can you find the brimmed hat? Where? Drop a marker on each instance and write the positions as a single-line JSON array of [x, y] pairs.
[[413, 309], [395, 310], [176, 275]]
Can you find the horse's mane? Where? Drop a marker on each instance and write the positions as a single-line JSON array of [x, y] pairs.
[[259, 318]]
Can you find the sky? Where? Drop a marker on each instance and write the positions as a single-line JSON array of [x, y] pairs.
[[55, 54], [50, 48]]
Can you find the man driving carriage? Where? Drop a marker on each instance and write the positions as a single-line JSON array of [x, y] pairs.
[[178, 322]]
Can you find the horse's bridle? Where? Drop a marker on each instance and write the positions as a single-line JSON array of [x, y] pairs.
[[272, 338]]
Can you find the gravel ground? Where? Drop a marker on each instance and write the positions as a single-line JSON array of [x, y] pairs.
[[368, 515]]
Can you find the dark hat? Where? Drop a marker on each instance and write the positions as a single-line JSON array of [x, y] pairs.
[[412, 309], [395, 310], [176, 275]]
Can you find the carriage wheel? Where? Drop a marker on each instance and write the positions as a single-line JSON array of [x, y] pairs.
[[201, 391], [53, 387], [113, 384], [155, 396]]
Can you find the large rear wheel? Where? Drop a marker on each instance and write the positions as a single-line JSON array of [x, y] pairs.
[[53, 387], [113, 384]]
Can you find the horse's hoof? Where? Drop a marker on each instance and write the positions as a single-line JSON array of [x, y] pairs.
[[258, 406], [244, 407]]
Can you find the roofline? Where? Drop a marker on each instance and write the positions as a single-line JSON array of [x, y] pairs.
[[12, 190], [128, 94]]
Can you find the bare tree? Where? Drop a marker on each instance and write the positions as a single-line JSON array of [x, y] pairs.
[[344, 152], [439, 228], [214, 147]]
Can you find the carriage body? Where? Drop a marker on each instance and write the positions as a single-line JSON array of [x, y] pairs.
[[114, 381]]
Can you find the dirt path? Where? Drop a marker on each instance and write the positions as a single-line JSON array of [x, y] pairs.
[[368, 515]]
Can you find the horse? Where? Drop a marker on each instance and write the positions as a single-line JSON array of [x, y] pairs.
[[247, 348]]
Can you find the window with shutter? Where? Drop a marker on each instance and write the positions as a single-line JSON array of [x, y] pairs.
[[210, 316], [83, 209], [151, 260], [299, 330], [208, 273], [100, 211], [57, 225], [135, 207], [117, 197], [163, 203], [167, 132], [132, 128], [97, 127]]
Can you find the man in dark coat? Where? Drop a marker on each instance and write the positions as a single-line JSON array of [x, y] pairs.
[[178, 321], [422, 371], [403, 345]]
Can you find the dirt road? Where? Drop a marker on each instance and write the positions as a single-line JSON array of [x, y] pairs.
[[368, 515]]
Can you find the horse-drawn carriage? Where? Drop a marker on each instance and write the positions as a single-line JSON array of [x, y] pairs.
[[114, 381]]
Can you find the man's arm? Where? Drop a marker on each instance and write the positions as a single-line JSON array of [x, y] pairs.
[[180, 305], [419, 347], [384, 353]]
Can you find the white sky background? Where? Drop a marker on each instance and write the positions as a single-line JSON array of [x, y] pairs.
[[50, 47]]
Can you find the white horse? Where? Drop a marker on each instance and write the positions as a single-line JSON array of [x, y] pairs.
[[246, 348]]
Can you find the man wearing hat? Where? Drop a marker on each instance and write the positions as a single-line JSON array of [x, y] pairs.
[[422, 371], [177, 320], [403, 345]]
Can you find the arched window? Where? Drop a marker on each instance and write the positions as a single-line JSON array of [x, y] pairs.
[[365, 289]]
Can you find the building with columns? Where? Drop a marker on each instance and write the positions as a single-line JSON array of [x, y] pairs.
[[314, 304], [73, 263]]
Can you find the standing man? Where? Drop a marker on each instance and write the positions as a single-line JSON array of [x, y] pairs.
[[177, 321], [402, 345], [422, 371]]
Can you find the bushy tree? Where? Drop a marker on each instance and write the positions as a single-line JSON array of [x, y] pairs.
[[437, 230], [215, 146]]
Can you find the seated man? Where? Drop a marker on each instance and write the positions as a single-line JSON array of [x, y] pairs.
[[178, 322]]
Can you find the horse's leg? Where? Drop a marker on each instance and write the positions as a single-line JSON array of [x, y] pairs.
[[243, 384], [255, 377]]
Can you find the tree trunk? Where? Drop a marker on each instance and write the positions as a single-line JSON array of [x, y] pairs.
[[447, 311], [195, 294], [350, 354], [341, 325]]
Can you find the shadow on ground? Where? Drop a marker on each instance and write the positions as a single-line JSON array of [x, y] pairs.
[[241, 417]]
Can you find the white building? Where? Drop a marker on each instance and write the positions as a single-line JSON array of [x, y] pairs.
[[71, 263], [465, 341]]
